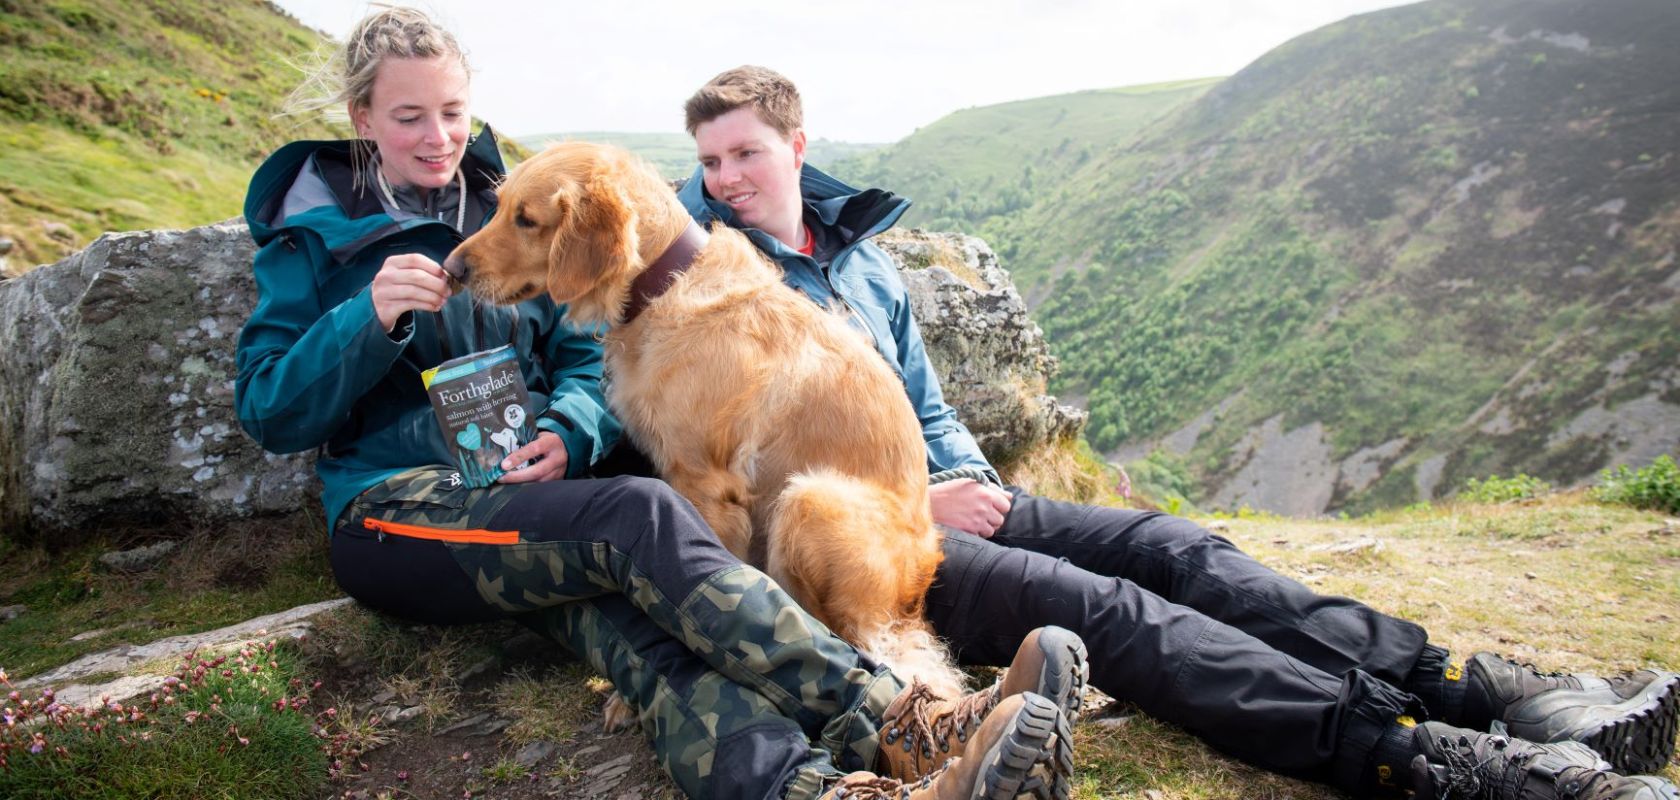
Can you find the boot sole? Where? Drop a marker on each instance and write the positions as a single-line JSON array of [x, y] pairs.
[[1029, 760], [1659, 789], [1640, 740], [1066, 670]]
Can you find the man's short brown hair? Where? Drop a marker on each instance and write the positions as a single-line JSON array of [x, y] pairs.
[[763, 90]]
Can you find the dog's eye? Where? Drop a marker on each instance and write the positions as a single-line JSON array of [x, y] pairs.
[[523, 221]]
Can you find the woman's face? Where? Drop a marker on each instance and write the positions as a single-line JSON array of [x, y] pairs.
[[417, 114]]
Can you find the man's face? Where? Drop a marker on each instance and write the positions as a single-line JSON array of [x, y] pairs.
[[753, 169]]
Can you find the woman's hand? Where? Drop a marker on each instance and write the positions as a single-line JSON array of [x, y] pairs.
[[547, 457], [408, 282], [970, 506]]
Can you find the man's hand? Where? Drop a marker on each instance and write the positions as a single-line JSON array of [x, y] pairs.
[[408, 282], [969, 506], [548, 458]]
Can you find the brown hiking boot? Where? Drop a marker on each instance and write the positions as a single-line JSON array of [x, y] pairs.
[[1010, 754], [920, 730]]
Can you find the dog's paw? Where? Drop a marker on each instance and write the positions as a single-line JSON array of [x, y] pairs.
[[617, 715]]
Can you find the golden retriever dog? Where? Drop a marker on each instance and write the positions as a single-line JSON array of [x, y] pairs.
[[780, 422]]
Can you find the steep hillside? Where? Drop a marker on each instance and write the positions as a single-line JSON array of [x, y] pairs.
[[1413, 247], [982, 162], [673, 153], [120, 115]]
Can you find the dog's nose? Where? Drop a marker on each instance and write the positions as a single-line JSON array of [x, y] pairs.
[[456, 266]]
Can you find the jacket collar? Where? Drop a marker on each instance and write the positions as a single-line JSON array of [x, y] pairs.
[[311, 184]]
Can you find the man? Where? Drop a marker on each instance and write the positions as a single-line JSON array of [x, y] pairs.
[[1177, 620]]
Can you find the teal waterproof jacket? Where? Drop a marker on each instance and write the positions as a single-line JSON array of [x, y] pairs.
[[864, 281], [317, 370]]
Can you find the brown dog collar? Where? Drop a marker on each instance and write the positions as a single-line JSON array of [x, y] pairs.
[[658, 276]]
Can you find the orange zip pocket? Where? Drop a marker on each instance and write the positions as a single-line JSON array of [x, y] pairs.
[[441, 534]]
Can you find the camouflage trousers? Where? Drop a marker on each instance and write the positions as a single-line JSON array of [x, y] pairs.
[[755, 668]]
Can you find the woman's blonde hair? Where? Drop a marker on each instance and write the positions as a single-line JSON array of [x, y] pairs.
[[344, 77]]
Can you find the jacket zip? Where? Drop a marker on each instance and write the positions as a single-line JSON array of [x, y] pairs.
[[469, 536]]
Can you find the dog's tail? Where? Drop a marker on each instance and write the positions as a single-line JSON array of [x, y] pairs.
[[861, 558]]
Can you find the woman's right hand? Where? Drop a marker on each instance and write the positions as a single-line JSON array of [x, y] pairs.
[[408, 282]]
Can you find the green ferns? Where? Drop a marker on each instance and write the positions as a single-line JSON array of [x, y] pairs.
[[1503, 490], [1656, 487]]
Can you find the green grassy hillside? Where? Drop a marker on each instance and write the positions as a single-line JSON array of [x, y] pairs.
[[983, 162], [1425, 244], [119, 115], [122, 115], [673, 153]]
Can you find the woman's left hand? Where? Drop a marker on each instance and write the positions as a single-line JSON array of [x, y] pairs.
[[548, 458]]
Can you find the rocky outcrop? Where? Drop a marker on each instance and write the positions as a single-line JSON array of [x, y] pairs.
[[992, 358], [116, 392], [116, 388]]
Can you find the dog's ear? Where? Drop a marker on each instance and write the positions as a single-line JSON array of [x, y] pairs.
[[596, 241]]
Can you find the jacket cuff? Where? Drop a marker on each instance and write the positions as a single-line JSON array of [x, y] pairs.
[[360, 330], [580, 449]]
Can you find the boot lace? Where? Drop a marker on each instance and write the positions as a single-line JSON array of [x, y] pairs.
[[1467, 775], [877, 788], [1472, 777], [921, 725]]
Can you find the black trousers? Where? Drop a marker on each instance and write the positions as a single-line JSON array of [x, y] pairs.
[[1189, 628]]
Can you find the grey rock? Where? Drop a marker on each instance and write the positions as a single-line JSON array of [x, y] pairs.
[[1355, 545], [293, 623], [396, 716], [9, 613], [59, 231], [993, 361], [534, 753], [466, 723], [481, 668], [5, 246], [116, 388], [139, 559], [609, 769]]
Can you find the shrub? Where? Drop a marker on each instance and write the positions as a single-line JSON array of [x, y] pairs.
[[1503, 490], [1654, 487]]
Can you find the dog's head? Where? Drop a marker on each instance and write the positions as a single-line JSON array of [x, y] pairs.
[[567, 223]]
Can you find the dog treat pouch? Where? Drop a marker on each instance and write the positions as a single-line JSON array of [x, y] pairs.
[[480, 401]]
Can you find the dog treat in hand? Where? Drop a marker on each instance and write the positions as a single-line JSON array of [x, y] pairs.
[[480, 401]]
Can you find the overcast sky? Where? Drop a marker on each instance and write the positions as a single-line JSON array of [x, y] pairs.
[[869, 70]]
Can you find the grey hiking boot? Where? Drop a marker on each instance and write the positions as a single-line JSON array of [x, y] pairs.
[[920, 730], [1460, 764], [1630, 720], [1012, 753]]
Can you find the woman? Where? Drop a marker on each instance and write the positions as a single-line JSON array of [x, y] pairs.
[[353, 307]]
